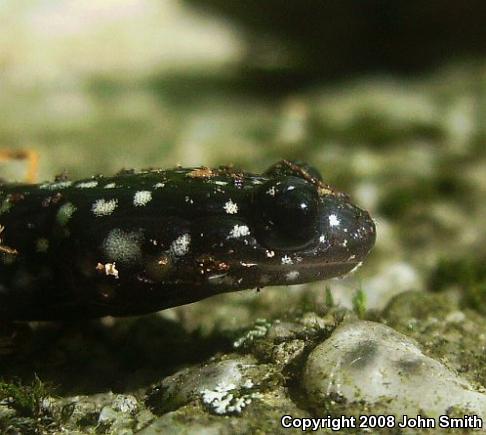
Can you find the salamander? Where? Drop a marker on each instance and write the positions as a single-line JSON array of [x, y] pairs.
[[142, 241]]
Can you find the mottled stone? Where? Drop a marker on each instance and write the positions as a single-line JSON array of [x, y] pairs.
[[224, 386], [369, 362]]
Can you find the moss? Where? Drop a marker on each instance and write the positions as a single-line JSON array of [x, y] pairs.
[[469, 274], [329, 297], [359, 303], [410, 195], [31, 406], [25, 399]]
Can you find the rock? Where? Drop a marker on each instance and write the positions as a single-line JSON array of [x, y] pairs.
[[224, 387], [374, 365], [125, 403]]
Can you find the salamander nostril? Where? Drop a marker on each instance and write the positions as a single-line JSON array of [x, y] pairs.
[[350, 230]]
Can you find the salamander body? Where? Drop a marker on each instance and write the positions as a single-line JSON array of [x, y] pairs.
[[143, 241]]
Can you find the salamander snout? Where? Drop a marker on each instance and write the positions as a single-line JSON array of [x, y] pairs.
[[348, 232]]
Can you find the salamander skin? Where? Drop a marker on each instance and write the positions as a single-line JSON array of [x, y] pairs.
[[143, 241]]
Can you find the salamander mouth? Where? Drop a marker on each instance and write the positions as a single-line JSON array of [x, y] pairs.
[[250, 275]]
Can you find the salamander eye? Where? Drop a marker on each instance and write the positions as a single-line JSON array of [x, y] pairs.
[[288, 209]]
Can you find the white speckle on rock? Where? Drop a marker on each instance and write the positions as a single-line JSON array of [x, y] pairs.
[[239, 231], [369, 362], [227, 398], [141, 198], [181, 246], [260, 329], [230, 207], [102, 207], [125, 403], [239, 376], [87, 184], [334, 221]]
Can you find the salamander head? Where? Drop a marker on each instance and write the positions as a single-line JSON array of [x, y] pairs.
[[296, 229]]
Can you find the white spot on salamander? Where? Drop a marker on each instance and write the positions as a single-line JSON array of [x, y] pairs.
[[123, 246], [141, 198], [102, 207], [159, 185], [56, 185], [292, 275], [239, 231], [271, 191], [270, 254], [65, 213], [334, 221], [322, 238], [87, 184], [230, 207], [181, 245], [110, 186], [286, 260]]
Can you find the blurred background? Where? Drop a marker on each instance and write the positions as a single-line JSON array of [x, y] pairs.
[[386, 98]]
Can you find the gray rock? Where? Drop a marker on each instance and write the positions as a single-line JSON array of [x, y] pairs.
[[225, 387], [369, 362]]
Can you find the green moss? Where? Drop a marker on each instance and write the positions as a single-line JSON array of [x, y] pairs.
[[25, 399], [469, 274], [30, 403], [329, 297], [417, 193], [359, 303]]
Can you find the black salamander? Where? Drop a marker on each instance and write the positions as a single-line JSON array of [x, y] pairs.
[[143, 241]]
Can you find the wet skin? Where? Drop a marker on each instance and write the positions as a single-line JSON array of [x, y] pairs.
[[143, 241]]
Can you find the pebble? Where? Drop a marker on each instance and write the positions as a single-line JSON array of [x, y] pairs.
[[369, 362]]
